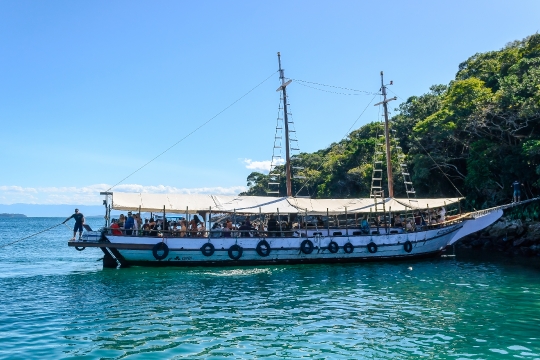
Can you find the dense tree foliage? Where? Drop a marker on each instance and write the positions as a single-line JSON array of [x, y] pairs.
[[474, 136]]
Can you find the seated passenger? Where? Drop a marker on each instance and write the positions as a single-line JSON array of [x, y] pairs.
[[202, 230], [115, 228], [397, 221], [272, 226], [409, 226], [216, 230], [183, 228], [244, 230], [153, 227], [227, 229]]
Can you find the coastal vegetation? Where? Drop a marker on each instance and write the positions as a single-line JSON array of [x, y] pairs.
[[471, 137]]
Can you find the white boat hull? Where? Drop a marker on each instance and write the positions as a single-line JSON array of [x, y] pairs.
[[188, 251]]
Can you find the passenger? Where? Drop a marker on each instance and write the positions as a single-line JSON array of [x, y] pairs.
[[216, 230], [138, 222], [121, 220], [244, 230], [129, 224], [320, 221], [174, 229], [115, 228], [409, 226], [442, 214], [248, 221], [202, 230], [193, 226], [183, 228], [397, 221], [227, 229], [272, 226], [146, 228], [153, 227], [417, 218]]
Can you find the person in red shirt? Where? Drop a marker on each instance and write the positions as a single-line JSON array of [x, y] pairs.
[[115, 228]]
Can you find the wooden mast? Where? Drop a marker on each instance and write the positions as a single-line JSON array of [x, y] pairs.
[[387, 138], [282, 88]]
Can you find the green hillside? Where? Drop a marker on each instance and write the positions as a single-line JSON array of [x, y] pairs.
[[477, 134]]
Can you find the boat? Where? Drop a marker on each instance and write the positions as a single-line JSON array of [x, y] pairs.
[[290, 229]]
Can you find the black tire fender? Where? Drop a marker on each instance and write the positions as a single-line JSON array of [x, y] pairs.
[[307, 247], [263, 248], [80, 248], [160, 246], [239, 250], [333, 247], [407, 246], [348, 248], [208, 249], [372, 247]]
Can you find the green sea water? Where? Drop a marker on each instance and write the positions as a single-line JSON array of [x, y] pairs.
[[58, 303]]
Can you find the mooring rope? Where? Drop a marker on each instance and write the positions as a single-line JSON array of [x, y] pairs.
[[28, 237]]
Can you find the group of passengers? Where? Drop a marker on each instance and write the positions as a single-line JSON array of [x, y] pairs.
[[132, 225]]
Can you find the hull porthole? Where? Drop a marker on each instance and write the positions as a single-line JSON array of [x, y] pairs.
[[208, 249], [263, 248], [160, 251], [407, 246], [372, 247], [348, 248], [235, 252], [333, 247], [306, 247]]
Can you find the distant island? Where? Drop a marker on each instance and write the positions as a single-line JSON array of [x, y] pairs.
[[4, 215]]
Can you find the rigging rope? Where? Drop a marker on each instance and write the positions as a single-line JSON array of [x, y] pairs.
[[358, 118], [192, 132], [27, 237], [428, 154], [332, 86]]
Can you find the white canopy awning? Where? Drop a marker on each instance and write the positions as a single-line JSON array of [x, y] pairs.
[[196, 203]]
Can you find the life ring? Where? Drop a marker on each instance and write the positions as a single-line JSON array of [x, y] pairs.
[[306, 247], [239, 250], [407, 246], [333, 247], [372, 247], [263, 248], [348, 248], [80, 248], [208, 249], [160, 246]]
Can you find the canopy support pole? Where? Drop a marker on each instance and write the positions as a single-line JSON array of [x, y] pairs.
[[346, 223], [279, 220], [327, 222]]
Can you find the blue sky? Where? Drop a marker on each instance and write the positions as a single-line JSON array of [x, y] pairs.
[[91, 91]]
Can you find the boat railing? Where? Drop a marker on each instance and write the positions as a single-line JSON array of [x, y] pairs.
[[304, 232]]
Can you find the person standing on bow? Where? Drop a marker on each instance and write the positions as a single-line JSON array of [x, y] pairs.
[[79, 221]]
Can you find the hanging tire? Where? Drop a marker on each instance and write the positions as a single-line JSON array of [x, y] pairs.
[[80, 248], [407, 246], [348, 248], [333, 247], [306, 247], [161, 246], [263, 248], [239, 251], [372, 247], [208, 249]]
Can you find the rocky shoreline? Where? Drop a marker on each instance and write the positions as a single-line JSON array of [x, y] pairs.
[[507, 235]]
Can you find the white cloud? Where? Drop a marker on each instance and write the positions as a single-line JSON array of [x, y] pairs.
[[89, 195], [261, 165]]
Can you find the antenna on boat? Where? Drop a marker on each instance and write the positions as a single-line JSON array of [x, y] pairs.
[[387, 137]]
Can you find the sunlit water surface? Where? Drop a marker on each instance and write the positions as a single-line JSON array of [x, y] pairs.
[[57, 303]]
